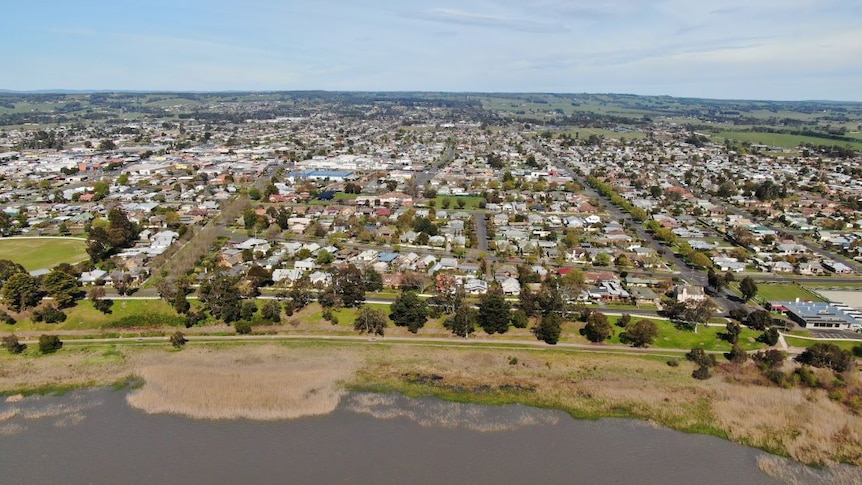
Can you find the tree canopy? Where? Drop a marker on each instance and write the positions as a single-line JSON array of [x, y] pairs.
[[20, 292], [748, 288], [641, 333], [370, 320], [597, 329], [549, 329], [493, 314], [409, 311]]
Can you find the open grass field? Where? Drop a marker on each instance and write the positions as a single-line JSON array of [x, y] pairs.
[[805, 343], [706, 338], [124, 314], [471, 202], [38, 253], [783, 292], [584, 133], [779, 139]]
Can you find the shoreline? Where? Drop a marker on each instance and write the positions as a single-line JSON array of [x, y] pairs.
[[307, 377]]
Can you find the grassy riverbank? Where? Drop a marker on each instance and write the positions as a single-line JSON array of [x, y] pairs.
[[288, 379]]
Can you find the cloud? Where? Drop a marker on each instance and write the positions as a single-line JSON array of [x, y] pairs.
[[461, 17]]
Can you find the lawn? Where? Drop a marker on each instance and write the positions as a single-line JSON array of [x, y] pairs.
[[780, 139], [124, 313], [471, 202], [784, 292], [38, 253], [804, 342], [669, 337]]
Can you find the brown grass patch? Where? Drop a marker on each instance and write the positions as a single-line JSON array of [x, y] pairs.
[[262, 383], [804, 423], [71, 367], [797, 474]]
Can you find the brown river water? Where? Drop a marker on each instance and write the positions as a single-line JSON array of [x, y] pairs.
[[94, 437]]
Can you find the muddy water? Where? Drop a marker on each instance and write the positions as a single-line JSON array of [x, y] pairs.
[[94, 437]]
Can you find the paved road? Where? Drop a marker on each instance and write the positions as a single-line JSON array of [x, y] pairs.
[[453, 341], [683, 270], [481, 226]]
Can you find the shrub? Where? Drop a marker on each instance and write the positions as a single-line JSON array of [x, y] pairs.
[[806, 376], [769, 359], [6, 318], [769, 337], [178, 340], [48, 314], [826, 355], [737, 354], [701, 373], [103, 305], [673, 363], [11, 343], [701, 358], [48, 344], [242, 327]]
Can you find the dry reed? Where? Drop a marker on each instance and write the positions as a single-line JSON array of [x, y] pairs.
[[793, 473], [261, 383]]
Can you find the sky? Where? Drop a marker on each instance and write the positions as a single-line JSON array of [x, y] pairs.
[[726, 49]]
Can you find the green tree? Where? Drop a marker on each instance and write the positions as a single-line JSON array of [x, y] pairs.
[[549, 329], [732, 331], [11, 343], [9, 268], [700, 260], [370, 320], [271, 311], [348, 285], [519, 319], [300, 292], [463, 321], [641, 333], [181, 303], [48, 314], [373, 280], [748, 288], [20, 292], [602, 259], [409, 311], [48, 344], [493, 314], [221, 297], [759, 320], [62, 287], [597, 329], [107, 145], [769, 337], [624, 320], [247, 309], [826, 355], [324, 257]]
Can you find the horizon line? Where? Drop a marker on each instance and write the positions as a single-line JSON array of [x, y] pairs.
[[406, 91]]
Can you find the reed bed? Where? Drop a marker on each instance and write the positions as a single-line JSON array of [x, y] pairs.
[[793, 473], [260, 383], [802, 423], [281, 381]]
